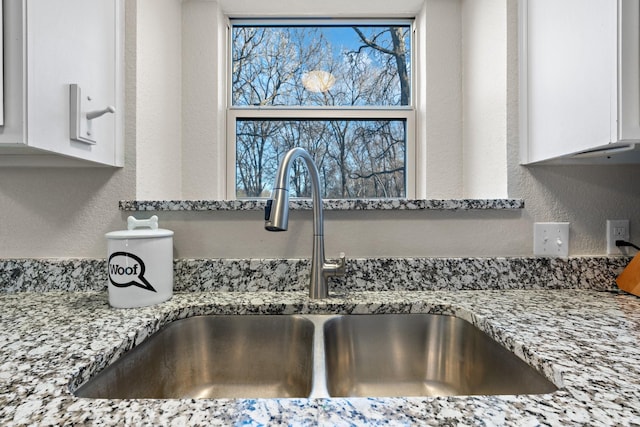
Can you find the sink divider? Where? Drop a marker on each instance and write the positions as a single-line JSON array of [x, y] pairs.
[[319, 380]]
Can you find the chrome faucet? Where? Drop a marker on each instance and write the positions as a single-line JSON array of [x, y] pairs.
[[276, 218]]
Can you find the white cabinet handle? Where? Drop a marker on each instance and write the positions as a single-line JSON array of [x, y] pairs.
[[95, 114]]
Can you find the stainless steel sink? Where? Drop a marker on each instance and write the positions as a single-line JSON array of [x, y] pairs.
[[421, 355], [214, 357], [280, 356]]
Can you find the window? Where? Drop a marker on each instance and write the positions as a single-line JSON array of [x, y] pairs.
[[341, 90]]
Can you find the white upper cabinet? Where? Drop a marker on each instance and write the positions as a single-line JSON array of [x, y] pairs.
[[579, 80], [63, 83]]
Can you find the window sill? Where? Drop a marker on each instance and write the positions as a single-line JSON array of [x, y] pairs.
[[328, 204]]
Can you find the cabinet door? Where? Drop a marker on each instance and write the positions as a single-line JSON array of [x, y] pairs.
[[13, 129], [1, 67], [74, 41], [629, 99], [569, 73]]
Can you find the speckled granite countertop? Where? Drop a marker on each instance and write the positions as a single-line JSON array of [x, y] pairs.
[[587, 342], [327, 204]]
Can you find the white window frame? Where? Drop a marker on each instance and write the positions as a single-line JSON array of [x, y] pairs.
[[406, 113]]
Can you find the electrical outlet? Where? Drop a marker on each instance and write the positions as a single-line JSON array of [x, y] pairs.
[[617, 229], [551, 239]]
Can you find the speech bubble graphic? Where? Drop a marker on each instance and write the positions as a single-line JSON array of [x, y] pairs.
[[126, 270]]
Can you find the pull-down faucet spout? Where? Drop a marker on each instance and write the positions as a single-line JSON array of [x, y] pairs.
[[276, 217]]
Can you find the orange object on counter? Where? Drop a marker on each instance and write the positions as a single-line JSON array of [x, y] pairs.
[[629, 279]]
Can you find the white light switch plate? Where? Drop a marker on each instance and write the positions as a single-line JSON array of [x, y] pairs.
[[551, 239]]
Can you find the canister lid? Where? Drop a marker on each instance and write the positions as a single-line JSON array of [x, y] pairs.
[[149, 232]]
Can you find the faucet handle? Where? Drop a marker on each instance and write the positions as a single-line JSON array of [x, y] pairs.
[[342, 264], [336, 267]]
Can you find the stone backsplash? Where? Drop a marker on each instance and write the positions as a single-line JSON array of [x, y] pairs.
[[371, 274]]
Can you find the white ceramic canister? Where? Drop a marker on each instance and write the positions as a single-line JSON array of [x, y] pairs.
[[140, 263]]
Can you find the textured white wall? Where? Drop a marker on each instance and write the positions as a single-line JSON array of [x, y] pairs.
[[443, 118], [203, 100], [484, 84], [159, 124], [65, 212]]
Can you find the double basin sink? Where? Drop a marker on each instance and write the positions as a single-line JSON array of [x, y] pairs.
[[289, 356]]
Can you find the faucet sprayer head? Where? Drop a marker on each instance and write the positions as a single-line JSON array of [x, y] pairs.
[[276, 212]]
